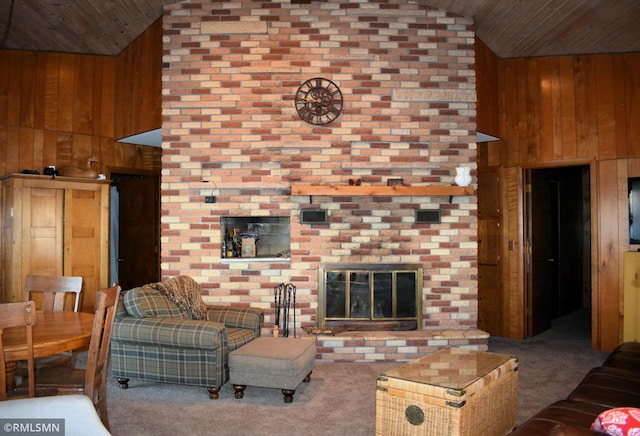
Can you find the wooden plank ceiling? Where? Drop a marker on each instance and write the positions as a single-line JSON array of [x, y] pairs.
[[511, 28]]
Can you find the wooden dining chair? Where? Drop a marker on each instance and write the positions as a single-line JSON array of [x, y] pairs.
[[51, 294], [17, 315], [53, 291], [90, 381]]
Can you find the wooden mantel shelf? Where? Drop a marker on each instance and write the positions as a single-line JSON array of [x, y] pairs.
[[377, 190]]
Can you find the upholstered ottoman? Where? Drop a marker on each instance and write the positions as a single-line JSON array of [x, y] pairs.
[[269, 362]]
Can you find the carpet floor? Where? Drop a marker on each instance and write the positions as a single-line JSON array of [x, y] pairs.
[[340, 399]]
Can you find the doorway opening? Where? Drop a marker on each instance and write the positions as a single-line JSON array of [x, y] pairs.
[[558, 240], [135, 229]]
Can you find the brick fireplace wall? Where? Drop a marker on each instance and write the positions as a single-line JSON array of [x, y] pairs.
[[231, 70]]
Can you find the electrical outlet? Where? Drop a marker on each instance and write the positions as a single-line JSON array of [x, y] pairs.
[[210, 199]]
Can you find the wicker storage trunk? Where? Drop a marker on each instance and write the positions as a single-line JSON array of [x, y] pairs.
[[449, 392]]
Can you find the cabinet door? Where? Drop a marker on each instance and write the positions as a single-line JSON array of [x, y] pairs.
[[631, 326], [42, 212], [9, 259], [86, 240]]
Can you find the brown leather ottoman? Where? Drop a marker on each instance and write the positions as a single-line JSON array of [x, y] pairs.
[[269, 362]]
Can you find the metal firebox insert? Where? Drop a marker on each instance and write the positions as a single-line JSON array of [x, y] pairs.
[[370, 296]]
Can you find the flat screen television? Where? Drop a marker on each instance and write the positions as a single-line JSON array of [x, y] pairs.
[[634, 210]]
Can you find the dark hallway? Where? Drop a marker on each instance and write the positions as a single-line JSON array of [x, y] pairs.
[[558, 232]]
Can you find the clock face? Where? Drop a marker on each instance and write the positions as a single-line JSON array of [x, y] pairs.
[[318, 101]]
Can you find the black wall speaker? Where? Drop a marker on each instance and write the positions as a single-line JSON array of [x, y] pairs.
[[428, 216], [313, 216]]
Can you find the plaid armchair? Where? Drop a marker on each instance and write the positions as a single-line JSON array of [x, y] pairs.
[[156, 339]]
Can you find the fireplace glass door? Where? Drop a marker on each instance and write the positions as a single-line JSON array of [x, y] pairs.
[[370, 297]]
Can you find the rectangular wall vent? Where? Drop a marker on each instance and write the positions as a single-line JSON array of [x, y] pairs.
[[313, 216], [428, 216]]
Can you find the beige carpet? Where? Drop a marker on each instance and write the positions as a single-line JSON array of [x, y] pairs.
[[340, 400], [551, 364]]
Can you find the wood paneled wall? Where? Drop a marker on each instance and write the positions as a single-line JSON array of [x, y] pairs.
[[58, 109], [570, 107], [488, 120], [139, 90], [561, 111]]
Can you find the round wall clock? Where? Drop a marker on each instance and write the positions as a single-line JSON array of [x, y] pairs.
[[318, 101]]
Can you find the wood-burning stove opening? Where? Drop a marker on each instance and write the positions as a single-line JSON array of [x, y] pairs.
[[370, 296]]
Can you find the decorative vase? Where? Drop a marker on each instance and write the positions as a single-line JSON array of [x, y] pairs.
[[463, 176]]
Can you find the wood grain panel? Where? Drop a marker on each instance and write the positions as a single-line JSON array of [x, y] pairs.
[[512, 253], [25, 155], [488, 120], [83, 95], [605, 107], [28, 89], [607, 302], [4, 136], [509, 113], [139, 93], [52, 80], [556, 107], [490, 301], [13, 147], [632, 102], [39, 108], [38, 149], [13, 65], [520, 109], [547, 143], [66, 88], [4, 89], [586, 108], [107, 117], [49, 151], [620, 125], [532, 110], [568, 108]]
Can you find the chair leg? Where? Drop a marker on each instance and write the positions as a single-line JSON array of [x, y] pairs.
[[123, 382]]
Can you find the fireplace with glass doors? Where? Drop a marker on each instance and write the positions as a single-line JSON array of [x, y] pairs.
[[370, 296]]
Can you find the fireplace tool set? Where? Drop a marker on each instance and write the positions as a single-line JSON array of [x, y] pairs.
[[284, 297]]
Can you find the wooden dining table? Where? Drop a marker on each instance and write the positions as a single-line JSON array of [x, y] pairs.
[[53, 333]]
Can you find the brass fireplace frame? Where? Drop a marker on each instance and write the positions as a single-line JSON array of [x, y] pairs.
[[372, 322]]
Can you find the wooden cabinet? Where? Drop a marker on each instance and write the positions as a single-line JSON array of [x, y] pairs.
[[54, 227], [631, 325]]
